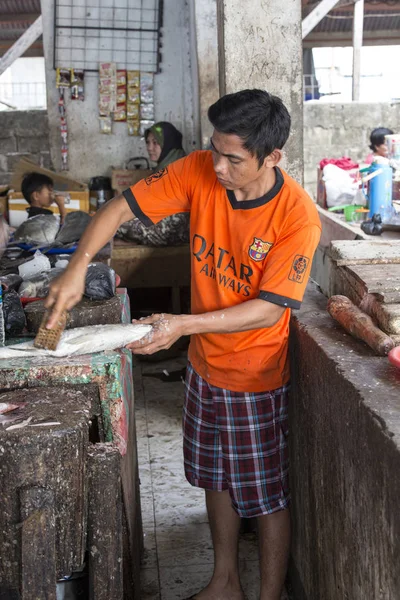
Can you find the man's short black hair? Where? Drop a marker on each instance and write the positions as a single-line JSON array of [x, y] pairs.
[[260, 119], [377, 137], [34, 182]]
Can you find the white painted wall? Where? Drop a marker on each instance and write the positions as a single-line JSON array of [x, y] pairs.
[[92, 153]]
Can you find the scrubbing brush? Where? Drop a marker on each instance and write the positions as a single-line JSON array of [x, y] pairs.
[[47, 339]]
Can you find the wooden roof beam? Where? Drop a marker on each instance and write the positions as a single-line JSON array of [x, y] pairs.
[[22, 44], [315, 16]]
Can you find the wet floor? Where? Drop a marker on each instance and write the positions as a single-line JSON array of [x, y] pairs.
[[178, 550]]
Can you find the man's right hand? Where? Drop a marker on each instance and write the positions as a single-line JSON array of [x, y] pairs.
[[65, 291]]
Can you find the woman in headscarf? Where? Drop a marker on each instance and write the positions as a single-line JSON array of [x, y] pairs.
[[164, 146]]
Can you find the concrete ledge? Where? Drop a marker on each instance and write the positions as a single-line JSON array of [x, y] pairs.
[[345, 463]]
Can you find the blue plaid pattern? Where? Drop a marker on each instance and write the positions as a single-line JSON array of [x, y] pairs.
[[237, 441]]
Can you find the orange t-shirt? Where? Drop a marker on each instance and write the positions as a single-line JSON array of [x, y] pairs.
[[241, 250]]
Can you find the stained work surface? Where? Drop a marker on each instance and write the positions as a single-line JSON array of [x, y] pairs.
[[345, 462], [178, 550]]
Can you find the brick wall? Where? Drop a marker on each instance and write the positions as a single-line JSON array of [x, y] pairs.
[[23, 133]]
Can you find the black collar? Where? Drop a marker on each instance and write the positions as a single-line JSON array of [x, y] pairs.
[[246, 204]]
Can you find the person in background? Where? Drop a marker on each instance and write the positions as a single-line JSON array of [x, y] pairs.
[[378, 146], [164, 146], [38, 191]]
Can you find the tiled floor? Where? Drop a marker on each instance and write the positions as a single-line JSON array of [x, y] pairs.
[[178, 551]]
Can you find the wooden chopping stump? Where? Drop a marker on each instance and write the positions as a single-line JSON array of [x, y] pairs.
[[43, 520]]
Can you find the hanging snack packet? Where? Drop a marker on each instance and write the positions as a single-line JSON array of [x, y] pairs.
[[121, 77], [132, 111], [146, 88], [107, 88], [77, 84], [120, 113], [63, 77], [64, 157], [105, 125], [107, 70], [133, 126], [133, 78], [147, 112], [144, 125]]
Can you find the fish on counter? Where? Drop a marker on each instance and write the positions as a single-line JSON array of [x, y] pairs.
[[73, 228], [83, 340], [38, 286], [40, 230]]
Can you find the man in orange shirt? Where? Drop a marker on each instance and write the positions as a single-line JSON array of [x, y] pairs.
[[253, 235]]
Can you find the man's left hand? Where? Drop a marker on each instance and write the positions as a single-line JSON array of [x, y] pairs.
[[167, 329]]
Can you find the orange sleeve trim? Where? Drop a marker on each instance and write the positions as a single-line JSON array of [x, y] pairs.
[[280, 300], [135, 208]]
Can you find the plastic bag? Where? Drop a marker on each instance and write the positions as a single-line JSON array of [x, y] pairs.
[[38, 286], [33, 267], [340, 187], [12, 281], [14, 316], [100, 282]]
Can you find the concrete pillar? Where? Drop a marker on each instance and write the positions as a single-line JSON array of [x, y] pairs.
[[260, 47], [205, 14]]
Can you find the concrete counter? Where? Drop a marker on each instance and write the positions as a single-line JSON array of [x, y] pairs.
[[345, 463]]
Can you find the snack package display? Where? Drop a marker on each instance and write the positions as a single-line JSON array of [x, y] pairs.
[[133, 102], [63, 129], [63, 77], [77, 84], [105, 124], [120, 111], [107, 89]]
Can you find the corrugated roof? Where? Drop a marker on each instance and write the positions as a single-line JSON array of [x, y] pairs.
[[15, 7], [379, 15], [16, 16]]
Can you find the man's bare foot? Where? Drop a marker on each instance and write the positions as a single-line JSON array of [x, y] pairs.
[[221, 589]]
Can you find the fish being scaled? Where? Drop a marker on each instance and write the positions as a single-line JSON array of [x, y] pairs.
[[40, 230], [72, 230], [83, 340]]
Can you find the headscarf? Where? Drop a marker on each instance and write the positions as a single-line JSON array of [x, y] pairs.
[[170, 140]]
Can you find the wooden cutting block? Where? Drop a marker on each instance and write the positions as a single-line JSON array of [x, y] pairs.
[[43, 517], [87, 312], [382, 280], [365, 252]]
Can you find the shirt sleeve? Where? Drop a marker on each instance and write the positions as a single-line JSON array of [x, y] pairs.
[[163, 193], [288, 266]]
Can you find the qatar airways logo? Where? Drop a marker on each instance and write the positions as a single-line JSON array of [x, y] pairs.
[[219, 264]]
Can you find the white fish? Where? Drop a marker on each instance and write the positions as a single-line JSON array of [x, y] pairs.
[[83, 340]]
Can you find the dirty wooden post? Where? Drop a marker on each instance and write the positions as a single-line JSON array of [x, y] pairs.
[[43, 520]]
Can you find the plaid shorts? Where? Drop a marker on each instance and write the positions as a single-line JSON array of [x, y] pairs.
[[237, 441]]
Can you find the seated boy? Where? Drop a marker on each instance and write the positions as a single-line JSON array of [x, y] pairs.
[[37, 190]]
